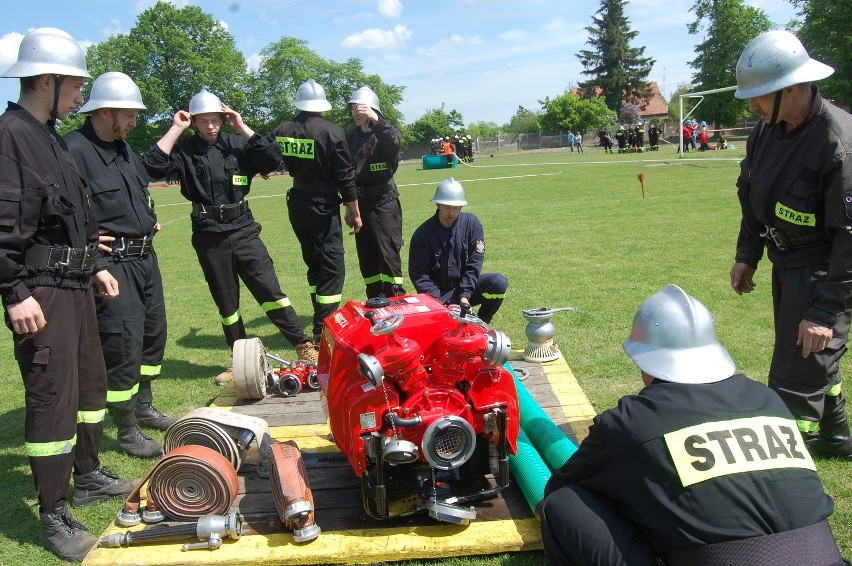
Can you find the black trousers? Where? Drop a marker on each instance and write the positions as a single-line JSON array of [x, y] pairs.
[[65, 383], [488, 295], [580, 528], [227, 257], [378, 244], [132, 329], [803, 382], [318, 229]]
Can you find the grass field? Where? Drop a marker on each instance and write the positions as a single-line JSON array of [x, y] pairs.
[[567, 230]]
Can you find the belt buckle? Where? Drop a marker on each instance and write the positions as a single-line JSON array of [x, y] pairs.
[[778, 238], [121, 248], [65, 262], [221, 209]]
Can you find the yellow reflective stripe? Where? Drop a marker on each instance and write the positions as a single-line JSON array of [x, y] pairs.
[[808, 426], [36, 449], [328, 299], [239, 180], [493, 295], [382, 166], [383, 277], [150, 370], [272, 305], [114, 396], [373, 279], [834, 391], [233, 319], [91, 417], [296, 147], [312, 289], [710, 450], [794, 216]]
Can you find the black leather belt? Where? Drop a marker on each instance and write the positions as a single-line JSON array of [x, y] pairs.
[[132, 247], [222, 213], [783, 241], [61, 257]]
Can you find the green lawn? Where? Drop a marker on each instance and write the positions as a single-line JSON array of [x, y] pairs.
[[567, 230]]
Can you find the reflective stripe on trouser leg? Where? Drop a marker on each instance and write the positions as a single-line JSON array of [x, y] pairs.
[[216, 256], [489, 294], [318, 228], [378, 244], [802, 382], [65, 380], [155, 331]]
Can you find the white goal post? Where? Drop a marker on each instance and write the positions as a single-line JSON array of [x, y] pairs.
[[695, 95]]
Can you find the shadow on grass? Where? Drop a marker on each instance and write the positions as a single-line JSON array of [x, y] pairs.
[[18, 522]]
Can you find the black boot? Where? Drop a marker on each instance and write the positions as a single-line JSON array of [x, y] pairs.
[[833, 438], [149, 416], [99, 485], [64, 536], [131, 439]]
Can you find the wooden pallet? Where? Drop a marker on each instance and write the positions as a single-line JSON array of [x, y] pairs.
[[349, 536]]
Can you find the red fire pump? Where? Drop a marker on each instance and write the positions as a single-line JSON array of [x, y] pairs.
[[419, 402]]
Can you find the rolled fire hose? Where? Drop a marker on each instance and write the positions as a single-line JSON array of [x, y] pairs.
[[529, 470], [292, 491], [193, 481], [554, 447], [226, 432]]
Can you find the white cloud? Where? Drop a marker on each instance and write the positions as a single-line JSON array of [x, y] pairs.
[[223, 24], [439, 49], [9, 45], [378, 39], [513, 35], [113, 27], [390, 8], [254, 61], [556, 24]]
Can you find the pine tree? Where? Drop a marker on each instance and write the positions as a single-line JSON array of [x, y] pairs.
[[620, 70]]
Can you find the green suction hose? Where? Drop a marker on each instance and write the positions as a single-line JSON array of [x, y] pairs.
[[555, 448], [529, 471]]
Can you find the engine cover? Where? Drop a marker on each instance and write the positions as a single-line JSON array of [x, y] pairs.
[[418, 400]]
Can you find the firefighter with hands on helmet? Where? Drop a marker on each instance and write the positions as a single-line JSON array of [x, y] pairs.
[[133, 325], [48, 260], [446, 255], [215, 171], [374, 145], [317, 157], [703, 466], [795, 190]]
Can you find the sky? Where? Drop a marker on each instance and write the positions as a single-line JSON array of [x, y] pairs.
[[484, 58]]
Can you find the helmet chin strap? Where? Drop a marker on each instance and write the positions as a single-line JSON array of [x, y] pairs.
[[775, 108], [54, 113]]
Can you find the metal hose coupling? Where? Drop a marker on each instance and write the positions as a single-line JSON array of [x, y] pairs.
[[291, 490], [211, 529]]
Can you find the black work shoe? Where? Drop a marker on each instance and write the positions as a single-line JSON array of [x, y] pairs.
[[99, 485], [820, 446], [64, 536], [132, 441], [149, 416]]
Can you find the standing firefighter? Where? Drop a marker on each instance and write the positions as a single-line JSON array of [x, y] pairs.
[[795, 190], [215, 172], [317, 157], [133, 325], [48, 258], [374, 144], [446, 256]]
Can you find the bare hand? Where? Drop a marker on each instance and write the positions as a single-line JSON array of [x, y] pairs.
[[107, 284], [181, 119], [26, 317], [157, 227], [232, 117], [813, 337], [742, 278], [103, 239], [353, 220], [361, 110]]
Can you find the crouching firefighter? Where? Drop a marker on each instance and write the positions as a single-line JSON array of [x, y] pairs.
[[704, 466]]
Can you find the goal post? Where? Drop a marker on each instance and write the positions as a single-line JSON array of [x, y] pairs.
[[695, 95]]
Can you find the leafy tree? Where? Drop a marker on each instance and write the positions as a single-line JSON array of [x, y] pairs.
[[525, 121], [483, 130], [825, 33], [288, 63], [567, 112], [727, 26], [674, 102], [435, 123], [619, 70], [629, 114], [172, 53]]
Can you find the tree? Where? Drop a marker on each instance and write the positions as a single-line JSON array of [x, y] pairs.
[[630, 114], [173, 53], [619, 70], [825, 33], [674, 102], [567, 112], [727, 25], [525, 121], [435, 123], [483, 129], [289, 62]]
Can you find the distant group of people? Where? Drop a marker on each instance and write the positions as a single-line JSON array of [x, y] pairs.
[[460, 146], [631, 138]]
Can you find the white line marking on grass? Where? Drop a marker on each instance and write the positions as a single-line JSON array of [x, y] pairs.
[[673, 161]]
